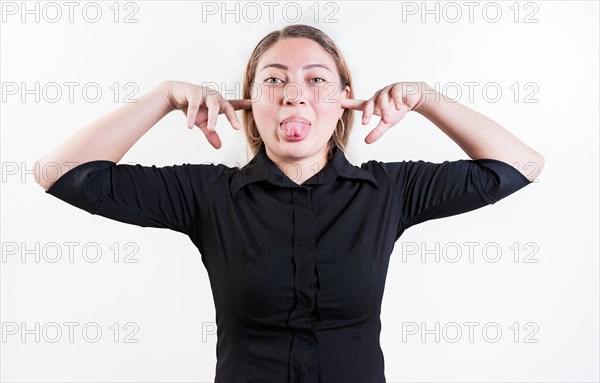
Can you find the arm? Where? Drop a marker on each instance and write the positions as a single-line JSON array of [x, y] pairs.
[[109, 137], [478, 135]]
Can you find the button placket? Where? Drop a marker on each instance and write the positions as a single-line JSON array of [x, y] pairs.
[[301, 319]]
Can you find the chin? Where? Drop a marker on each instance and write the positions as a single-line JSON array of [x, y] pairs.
[[297, 150]]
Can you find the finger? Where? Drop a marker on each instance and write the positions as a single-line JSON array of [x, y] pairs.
[[241, 104], [376, 133], [383, 100], [397, 97], [211, 135], [192, 110], [349, 103], [231, 116], [213, 111], [369, 107], [377, 111]]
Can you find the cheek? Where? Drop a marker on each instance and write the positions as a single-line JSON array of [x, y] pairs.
[[269, 95], [262, 110], [264, 115], [327, 93], [266, 104], [327, 112]]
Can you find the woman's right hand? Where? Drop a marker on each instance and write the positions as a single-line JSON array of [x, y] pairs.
[[202, 105]]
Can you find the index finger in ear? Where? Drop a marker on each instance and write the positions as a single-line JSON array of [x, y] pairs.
[[241, 104], [349, 103]]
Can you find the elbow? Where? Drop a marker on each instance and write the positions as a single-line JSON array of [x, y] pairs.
[[539, 162], [40, 174], [536, 164]]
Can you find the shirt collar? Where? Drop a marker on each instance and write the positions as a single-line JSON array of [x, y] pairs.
[[262, 168]]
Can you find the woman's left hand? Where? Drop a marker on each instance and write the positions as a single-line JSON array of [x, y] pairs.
[[391, 103]]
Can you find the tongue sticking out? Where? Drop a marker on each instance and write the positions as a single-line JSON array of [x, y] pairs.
[[295, 129]]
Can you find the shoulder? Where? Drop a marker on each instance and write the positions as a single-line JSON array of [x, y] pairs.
[[387, 171]]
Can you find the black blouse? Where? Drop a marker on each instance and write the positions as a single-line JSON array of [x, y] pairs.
[[297, 272]]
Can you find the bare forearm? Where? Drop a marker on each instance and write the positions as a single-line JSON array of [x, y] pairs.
[[478, 135], [107, 138]]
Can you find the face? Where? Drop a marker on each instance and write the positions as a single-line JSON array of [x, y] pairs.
[[290, 88]]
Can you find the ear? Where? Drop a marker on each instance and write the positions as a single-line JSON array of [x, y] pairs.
[[345, 94]]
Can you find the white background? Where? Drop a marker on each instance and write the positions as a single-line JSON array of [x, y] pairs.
[[546, 69]]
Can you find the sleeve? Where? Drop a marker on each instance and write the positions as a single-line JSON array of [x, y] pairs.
[[147, 196], [430, 190]]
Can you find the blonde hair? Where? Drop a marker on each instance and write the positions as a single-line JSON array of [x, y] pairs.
[[344, 127]]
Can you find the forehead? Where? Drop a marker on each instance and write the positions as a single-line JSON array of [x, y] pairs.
[[296, 52]]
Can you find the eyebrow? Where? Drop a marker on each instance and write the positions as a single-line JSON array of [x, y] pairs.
[[307, 67]]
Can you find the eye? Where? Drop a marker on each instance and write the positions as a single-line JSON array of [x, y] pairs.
[[275, 78], [267, 80]]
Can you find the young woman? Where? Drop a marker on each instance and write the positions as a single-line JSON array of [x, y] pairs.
[[297, 242]]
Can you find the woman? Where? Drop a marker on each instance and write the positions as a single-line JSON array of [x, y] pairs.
[[297, 242]]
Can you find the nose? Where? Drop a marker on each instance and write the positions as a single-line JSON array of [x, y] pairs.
[[293, 94]]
